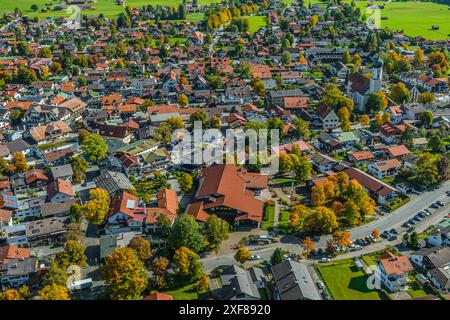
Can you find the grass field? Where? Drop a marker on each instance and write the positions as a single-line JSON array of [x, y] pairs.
[[414, 18], [107, 7], [188, 292], [256, 22], [345, 281], [269, 217]]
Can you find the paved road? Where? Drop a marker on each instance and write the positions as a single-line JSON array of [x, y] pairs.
[[387, 222]]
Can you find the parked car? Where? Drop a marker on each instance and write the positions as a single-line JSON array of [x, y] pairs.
[[413, 221], [323, 260], [418, 217], [255, 257], [411, 229], [393, 231], [392, 238], [267, 263], [320, 285], [326, 295], [407, 224], [384, 235], [434, 205], [422, 215]]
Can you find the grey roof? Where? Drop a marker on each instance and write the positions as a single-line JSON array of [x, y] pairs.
[[442, 276], [17, 145], [110, 242], [235, 281], [61, 171], [439, 256], [57, 208], [113, 182], [294, 281], [21, 267]]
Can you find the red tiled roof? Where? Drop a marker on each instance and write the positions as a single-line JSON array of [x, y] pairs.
[[158, 296], [395, 265], [12, 251], [361, 155], [397, 151]]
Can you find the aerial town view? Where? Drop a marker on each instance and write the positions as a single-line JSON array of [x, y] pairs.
[[207, 150]]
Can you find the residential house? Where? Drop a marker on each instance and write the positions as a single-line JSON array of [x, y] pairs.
[[236, 283], [384, 168], [60, 190], [393, 271], [167, 202], [113, 182], [294, 282]]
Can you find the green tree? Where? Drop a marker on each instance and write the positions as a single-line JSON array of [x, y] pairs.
[[45, 52], [34, 7], [55, 275], [426, 169], [285, 58], [426, 97], [200, 115], [95, 147], [216, 231], [303, 169], [436, 143], [214, 122], [277, 257], [79, 166], [258, 86], [376, 102], [186, 182], [186, 232], [124, 274], [346, 58], [427, 118], [164, 225], [16, 116]]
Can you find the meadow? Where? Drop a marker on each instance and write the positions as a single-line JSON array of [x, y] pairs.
[[413, 17]]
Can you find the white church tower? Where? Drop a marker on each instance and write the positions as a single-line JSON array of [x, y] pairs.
[[377, 76]]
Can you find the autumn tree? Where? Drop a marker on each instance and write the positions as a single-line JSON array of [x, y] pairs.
[[164, 225], [324, 219], [303, 169], [364, 120], [346, 57], [214, 122], [427, 171], [242, 255], [216, 230], [341, 238], [22, 293], [285, 163], [159, 268], [203, 283], [307, 246], [351, 213], [375, 234], [183, 100], [19, 161], [141, 247], [54, 292], [318, 196], [426, 97], [399, 93], [418, 57], [79, 167], [258, 86], [187, 263], [73, 254], [124, 274], [97, 207], [200, 115]]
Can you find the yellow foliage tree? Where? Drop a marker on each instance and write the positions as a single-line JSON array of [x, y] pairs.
[[54, 292]]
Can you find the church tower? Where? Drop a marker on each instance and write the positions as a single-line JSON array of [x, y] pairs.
[[377, 76]]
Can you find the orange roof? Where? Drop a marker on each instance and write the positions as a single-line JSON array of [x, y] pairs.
[[167, 199], [158, 296], [5, 215], [395, 265], [162, 109], [396, 151], [34, 175], [295, 102], [12, 251], [361, 155]]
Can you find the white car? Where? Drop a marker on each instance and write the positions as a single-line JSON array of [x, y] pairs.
[[255, 257], [323, 260], [320, 285]]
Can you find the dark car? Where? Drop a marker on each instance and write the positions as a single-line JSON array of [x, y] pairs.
[[392, 238], [406, 225], [326, 296], [368, 240], [393, 231], [384, 235]]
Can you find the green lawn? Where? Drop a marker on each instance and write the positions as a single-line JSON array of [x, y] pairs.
[[345, 281], [51, 145], [370, 259], [283, 180], [284, 219], [107, 7], [416, 291], [256, 22], [269, 216], [188, 292], [173, 40]]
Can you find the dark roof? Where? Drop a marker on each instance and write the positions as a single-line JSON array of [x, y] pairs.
[[359, 83], [294, 281]]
